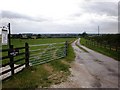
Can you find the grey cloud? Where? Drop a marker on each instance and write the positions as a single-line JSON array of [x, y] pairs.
[[100, 8], [109, 8], [77, 14], [14, 15], [72, 28]]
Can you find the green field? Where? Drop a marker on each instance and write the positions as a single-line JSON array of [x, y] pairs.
[[21, 42], [43, 75]]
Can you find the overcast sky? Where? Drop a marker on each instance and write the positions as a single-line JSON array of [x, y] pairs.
[[60, 16]]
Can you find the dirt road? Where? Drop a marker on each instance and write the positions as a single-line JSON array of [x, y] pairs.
[[91, 70]]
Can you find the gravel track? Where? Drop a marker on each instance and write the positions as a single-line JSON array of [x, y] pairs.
[[91, 70]]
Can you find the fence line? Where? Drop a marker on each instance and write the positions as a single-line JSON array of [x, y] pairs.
[[11, 66], [51, 52]]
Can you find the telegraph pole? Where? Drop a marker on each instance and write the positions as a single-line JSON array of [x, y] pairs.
[[98, 30]]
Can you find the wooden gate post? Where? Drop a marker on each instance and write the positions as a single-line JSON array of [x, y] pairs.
[[66, 46], [26, 55], [11, 59]]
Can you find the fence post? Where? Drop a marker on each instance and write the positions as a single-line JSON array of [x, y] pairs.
[[110, 46], [26, 55], [105, 45], [11, 59], [66, 46], [116, 46], [86, 42]]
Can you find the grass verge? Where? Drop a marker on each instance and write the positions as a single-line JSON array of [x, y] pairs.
[[81, 47], [110, 53]]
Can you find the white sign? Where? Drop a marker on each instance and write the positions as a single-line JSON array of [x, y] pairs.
[[4, 37]]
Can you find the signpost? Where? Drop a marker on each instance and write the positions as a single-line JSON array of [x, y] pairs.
[[7, 41], [4, 36], [14, 52]]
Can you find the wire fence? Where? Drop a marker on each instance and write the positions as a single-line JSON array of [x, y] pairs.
[[16, 59]]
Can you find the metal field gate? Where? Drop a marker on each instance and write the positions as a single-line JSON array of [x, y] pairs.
[[43, 53]]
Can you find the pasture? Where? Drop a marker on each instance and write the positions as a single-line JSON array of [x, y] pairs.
[[43, 75], [21, 42]]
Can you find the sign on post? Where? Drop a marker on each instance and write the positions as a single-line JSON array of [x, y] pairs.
[[14, 52], [4, 37]]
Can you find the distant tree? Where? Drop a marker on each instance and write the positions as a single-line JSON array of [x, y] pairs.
[[79, 35], [84, 34], [16, 36], [39, 36], [19, 35]]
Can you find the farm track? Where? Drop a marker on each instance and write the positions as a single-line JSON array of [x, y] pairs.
[[91, 70]]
